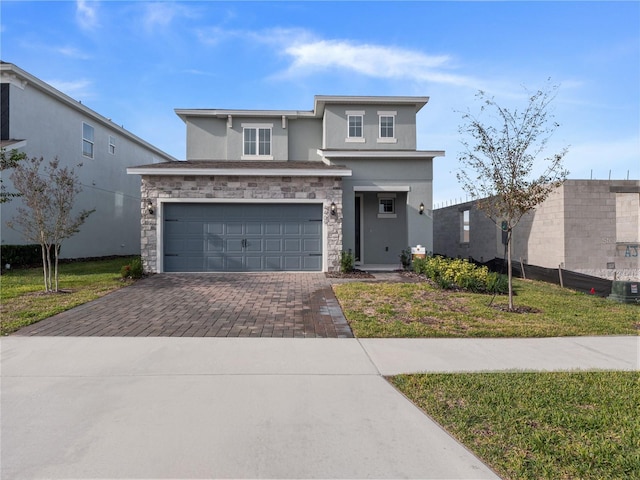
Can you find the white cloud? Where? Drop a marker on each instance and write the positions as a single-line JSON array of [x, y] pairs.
[[72, 52], [78, 89], [87, 14], [159, 15]]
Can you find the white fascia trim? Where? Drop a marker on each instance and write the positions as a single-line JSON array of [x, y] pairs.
[[381, 188], [241, 172], [380, 153]]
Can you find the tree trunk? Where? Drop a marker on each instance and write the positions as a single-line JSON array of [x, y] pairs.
[[44, 266], [509, 269], [55, 272]]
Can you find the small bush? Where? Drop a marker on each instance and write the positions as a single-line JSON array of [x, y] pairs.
[[405, 258], [133, 269], [452, 273], [347, 262], [21, 255]]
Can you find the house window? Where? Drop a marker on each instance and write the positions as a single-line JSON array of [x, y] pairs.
[[386, 205], [464, 221], [257, 141], [87, 140], [387, 130], [112, 145], [355, 122]]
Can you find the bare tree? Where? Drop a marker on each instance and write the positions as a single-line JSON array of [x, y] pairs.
[[46, 217], [8, 161], [501, 153]]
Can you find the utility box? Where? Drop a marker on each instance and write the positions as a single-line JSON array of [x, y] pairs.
[[418, 252], [625, 291]]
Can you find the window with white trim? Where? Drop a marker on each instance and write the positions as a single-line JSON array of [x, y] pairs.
[[87, 140], [112, 145], [387, 127], [386, 205], [257, 141], [355, 126]]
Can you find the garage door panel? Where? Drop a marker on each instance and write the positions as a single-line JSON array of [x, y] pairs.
[[291, 228], [272, 245], [292, 263], [312, 228], [234, 228], [272, 228], [242, 237], [214, 228], [254, 228], [311, 263], [292, 245], [311, 245]]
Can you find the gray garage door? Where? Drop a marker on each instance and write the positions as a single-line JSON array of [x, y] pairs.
[[242, 237]]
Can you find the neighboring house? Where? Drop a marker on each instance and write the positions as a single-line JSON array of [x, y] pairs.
[[43, 122], [290, 190], [586, 226]]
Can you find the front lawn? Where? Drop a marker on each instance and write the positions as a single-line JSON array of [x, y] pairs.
[[376, 310], [23, 302], [538, 425]]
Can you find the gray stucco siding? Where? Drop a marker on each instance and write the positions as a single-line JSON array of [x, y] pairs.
[[206, 138], [416, 175], [305, 138], [335, 127]]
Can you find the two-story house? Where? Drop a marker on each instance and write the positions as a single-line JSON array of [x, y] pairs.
[[41, 121], [290, 190]]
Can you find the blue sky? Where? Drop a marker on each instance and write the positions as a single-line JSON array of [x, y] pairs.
[[135, 62]]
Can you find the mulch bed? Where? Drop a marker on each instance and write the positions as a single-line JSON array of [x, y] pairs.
[[353, 274]]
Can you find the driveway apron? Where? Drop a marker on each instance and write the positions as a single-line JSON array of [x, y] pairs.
[[278, 304]]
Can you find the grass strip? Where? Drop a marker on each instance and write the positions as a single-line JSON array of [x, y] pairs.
[[538, 425], [23, 300], [376, 310]]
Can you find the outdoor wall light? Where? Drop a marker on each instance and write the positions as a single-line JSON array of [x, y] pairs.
[[150, 207], [333, 208], [421, 208]]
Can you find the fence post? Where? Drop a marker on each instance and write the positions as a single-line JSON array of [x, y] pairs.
[[560, 273]]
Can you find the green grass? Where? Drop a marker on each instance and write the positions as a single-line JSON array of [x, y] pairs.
[[578, 425], [22, 297], [376, 310]]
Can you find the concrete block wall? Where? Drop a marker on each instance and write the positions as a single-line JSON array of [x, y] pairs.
[[587, 226], [543, 232], [324, 190]]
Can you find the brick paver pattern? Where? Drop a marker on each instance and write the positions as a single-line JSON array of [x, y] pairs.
[[278, 304]]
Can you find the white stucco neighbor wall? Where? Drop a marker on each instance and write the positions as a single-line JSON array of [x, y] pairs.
[[231, 189]]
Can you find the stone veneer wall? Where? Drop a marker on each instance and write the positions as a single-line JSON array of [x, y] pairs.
[[327, 189]]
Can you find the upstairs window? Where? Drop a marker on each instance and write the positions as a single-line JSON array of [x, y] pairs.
[[257, 141], [355, 122], [387, 130], [87, 140], [112, 145]]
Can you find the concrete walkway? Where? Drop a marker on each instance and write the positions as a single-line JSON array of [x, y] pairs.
[[157, 407]]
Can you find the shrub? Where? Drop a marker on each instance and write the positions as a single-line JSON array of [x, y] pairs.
[[405, 258], [21, 255], [133, 269], [497, 283], [450, 273], [347, 262]]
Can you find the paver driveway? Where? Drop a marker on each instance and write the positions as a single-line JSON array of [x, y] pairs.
[[208, 305]]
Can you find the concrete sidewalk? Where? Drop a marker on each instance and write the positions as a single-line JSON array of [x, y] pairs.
[[88, 407]]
